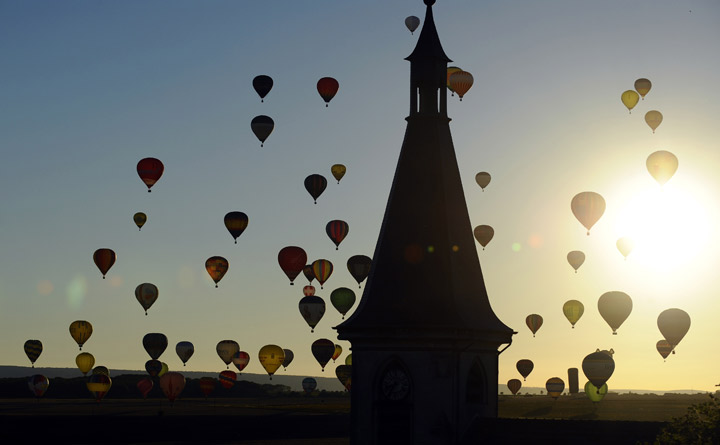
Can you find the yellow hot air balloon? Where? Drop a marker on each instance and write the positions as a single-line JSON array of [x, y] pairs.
[[629, 98], [483, 234], [673, 324], [662, 165], [271, 358], [576, 258], [653, 119], [140, 218], [625, 246], [594, 393], [573, 310], [555, 386], [338, 171], [588, 207], [460, 82], [80, 331], [614, 307], [483, 179], [642, 86], [85, 361], [450, 71]]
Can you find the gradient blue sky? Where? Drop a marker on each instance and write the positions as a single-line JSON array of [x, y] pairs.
[[88, 88]]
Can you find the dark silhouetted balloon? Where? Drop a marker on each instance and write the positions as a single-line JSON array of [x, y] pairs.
[[338, 171], [323, 350], [172, 384], [155, 344], [226, 349], [342, 299], [337, 230], [614, 307], [145, 385], [236, 223], [524, 367], [312, 309], [184, 350], [514, 385], [315, 185], [207, 385], [344, 374], [33, 349], [146, 294], [327, 88], [292, 260], [216, 267], [359, 267], [262, 126], [153, 367], [104, 259], [38, 384], [598, 367], [412, 23], [262, 84], [673, 324], [140, 219], [150, 170], [309, 384], [555, 387], [534, 321]]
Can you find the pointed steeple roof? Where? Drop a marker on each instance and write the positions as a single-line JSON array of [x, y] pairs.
[[428, 44]]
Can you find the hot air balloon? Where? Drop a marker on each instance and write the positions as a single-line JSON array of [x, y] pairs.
[[483, 234], [598, 367], [216, 267], [140, 219], [576, 258], [145, 385], [146, 295], [673, 324], [308, 290], [33, 349], [262, 126], [323, 350], [104, 259], [308, 272], [85, 362], [642, 86], [241, 359], [629, 98], [450, 71], [482, 179], [100, 370], [153, 367], [412, 23], [80, 331], [226, 349], [155, 344], [309, 384], [336, 354], [99, 385], [207, 385], [289, 356], [534, 321], [348, 359], [653, 119], [588, 207], [262, 84], [164, 368], [342, 299], [184, 350], [292, 260], [172, 384], [554, 387], [344, 374], [236, 223], [514, 385], [594, 393], [315, 184], [625, 245], [664, 348], [38, 384], [614, 307], [662, 165], [227, 379], [359, 267], [337, 230], [271, 358], [338, 171], [322, 270], [461, 81], [327, 88], [524, 367], [573, 310], [150, 170], [312, 309]]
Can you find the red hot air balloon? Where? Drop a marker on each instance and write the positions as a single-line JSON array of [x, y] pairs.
[[309, 290], [292, 260], [262, 84], [216, 267], [207, 385], [104, 259], [327, 87], [241, 359], [227, 378], [315, 184], [38, 384], [150, 170], [337, 230], [172, 384], [144, 386]]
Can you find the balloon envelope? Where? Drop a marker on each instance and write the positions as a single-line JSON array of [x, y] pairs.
[[207, 385], [308, 272], [573, 310], [38, 384], [289, 356], [653, 119], [99, 385], [309, 384], [534, 321], [323, 350], [146, 294], [482, 179], [33, 349], [292, 260], [312, 309], [555, 387], [236, 223], [625, 245], [359, 267], [450, 71], [342, 299], [664, 348], [662, 165], [85, 362], [184, 350], [155, 344], [642, 86], [483, 234], [104, 259], [226, 349], [337, 353], [598, 367], [150, 170], [594, 393], [315, 185], [140, 219], [673, 324], [308, 290], [145, 385], [412, 23], [172, 384], [348, 359], [322, 269], [344, 374], [227, 379], [241, 359], [337, 230], [524, 367], [514, 385], [153, 367], [262, 126], [338, 171], [80, 331], [262, 84], [576, 258], [216, 267], [271, 358], [629, 98], [588, 207], [461, 81], [327, 87], [614, 307]]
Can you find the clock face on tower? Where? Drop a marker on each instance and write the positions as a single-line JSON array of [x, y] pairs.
[[395, 384]]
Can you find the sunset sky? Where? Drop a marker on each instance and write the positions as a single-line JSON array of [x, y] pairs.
[[88, 88]]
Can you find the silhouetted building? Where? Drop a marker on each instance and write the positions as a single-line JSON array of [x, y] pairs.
[[573, 381], [424, 337]]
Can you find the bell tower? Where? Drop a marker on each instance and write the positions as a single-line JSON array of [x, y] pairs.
[[425, 340]]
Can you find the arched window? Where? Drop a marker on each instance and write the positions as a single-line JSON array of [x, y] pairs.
[[476, 389]]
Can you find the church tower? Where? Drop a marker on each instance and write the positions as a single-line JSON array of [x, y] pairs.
[[424, 338]]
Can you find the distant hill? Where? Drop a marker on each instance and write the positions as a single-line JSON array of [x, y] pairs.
[[280, 378]]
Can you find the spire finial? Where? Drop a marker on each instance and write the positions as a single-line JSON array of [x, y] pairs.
[[429, 2]]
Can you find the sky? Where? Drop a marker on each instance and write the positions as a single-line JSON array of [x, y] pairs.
[[90, 88]]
